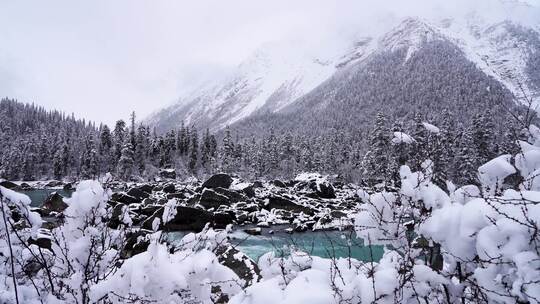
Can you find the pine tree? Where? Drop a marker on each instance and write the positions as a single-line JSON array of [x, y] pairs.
[[483, 138], [466, 160], [194, 150], [105, 147], [376, 161], [119, 139], [227, 153], [89, 160], [206, 150], [421, 147], [126, 162], [141, 150], [132, 130]]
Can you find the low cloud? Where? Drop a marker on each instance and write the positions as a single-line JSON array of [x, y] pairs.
[[103, 59]]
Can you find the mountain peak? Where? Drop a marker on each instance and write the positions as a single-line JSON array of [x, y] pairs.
[[411, 33]]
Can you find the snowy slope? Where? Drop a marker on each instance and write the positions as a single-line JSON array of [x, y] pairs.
[[272, 78], [279, 74], [502, 50]]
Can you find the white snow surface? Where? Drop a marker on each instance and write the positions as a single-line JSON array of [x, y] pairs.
[[402, 138]]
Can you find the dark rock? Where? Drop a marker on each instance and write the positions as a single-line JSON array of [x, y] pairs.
[[326, 219], [316, 188], [218, 180], [54, 183], [169, 188], [179, 195], [284, 214], [253, 231], [338, 214], [218, 297], [9, 185], [241, 217], [148, 210], [278, 202], [117, 216], [300, 227], [194, 199], [211, 199], [135, 243], [124, 198], [167, 173], [279, 183], [239, 263], [186, 218], [146, 188], [157, 188], [68, 187], [41, 242], [137, 193], [326, 190], [222, 219], [291, 183], [249, 191], [25, 186], [54, 203], [234, 197], [149, 201], [251, 208], [32, 267], [257, 184]]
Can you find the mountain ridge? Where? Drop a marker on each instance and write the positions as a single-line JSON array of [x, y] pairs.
[[267, 84]]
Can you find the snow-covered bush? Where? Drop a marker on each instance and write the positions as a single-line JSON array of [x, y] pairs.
[[192, 274], [17, 225], [467, 245], [471, 244]]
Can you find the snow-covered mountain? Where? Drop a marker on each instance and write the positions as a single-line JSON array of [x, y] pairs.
[[271, 79], [277, 76]]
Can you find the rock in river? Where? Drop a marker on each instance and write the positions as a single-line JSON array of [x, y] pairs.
[[186, 218], [54, 203]]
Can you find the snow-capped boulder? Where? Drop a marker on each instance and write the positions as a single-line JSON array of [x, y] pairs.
[[212, 199], [314, 182], [54, 203], [9, 185], [279, 202], [137, 193], [167, 173], [185, 218], [125, 198], [221, 180], [241, 264]]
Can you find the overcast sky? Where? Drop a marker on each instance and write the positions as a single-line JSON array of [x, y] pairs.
[[102, 59]]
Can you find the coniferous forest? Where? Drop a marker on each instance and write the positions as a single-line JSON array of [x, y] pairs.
[[40, 145]]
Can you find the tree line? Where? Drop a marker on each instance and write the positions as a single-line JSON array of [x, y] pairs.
[[40, 144]]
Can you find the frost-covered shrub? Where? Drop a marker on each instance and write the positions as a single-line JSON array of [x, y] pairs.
[[471, 244], [17, 225], [192, 274], [467, 245], [84, 264]]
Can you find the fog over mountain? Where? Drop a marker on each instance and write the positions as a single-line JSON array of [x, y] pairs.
[[278, 75], [132, 55]]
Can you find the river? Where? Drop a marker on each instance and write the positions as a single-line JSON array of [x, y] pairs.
[[318, 243]]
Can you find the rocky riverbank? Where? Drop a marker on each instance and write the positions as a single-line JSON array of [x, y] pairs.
[[308, 202]]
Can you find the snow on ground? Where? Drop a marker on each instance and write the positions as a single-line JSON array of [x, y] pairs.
[[402, 138]]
